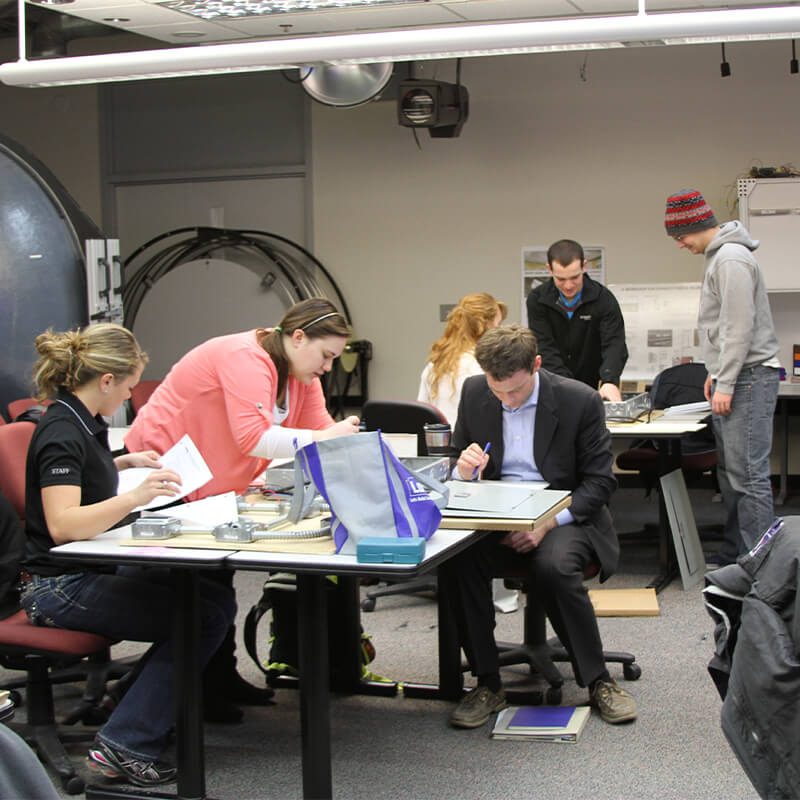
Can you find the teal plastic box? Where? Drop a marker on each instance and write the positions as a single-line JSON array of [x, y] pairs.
[[390, 550]]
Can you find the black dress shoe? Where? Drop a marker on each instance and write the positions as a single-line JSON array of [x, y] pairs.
[[222, 712], [237, 690]]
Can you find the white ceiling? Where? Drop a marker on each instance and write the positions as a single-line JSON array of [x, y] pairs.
[[150, 18]]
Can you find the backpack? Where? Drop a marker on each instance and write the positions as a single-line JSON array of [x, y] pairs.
[[280, 596], [12, 551], [31, 414]]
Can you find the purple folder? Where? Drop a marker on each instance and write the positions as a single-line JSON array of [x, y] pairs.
[[541, 717]]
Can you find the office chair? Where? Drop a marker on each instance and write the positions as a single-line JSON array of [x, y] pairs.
[[140, 394], [682, 383], [542, 654], [400, 416], [20, 406], [40, 651]]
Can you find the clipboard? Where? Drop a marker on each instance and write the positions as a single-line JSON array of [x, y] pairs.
[[495, 505]]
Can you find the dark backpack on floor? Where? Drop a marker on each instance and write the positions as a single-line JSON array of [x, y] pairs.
[[280, 596], [12, 551]]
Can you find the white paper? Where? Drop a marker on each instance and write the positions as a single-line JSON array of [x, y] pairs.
[[205, 514], [688, 408], [515, 500], [185, 459]]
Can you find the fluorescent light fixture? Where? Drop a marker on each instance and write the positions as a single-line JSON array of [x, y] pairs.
[[582, 33], [220, 9]]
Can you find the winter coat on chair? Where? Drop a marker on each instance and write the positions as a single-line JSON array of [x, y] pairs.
[[756, 607]]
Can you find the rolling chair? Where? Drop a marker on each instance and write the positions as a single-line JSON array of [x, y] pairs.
[[20, 406], [682, 383], [41, 651], [542, 654], [400, 416], [140, 394]]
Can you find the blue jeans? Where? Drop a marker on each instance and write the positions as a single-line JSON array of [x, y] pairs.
[[744, 444], [133, 605]]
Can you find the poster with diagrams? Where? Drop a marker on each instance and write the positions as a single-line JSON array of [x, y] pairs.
[[660, 326]]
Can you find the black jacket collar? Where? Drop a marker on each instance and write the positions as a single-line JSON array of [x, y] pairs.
[[93, 425]]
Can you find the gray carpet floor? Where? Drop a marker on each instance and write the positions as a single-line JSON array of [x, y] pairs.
[[402, 748]]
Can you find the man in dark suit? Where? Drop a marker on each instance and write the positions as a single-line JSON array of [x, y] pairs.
[[541, 426]]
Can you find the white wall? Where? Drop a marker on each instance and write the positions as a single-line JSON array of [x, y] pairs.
[[60, 127], [544, 155]]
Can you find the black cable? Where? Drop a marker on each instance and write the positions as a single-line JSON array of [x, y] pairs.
[[297, 80], [203, 242]]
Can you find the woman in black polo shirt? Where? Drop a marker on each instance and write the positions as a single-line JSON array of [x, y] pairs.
[[71, 494]]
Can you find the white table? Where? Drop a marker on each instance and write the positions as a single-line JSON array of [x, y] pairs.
[[116, 438], [311, 570], [666, 431], [185, 565], [312, 613]]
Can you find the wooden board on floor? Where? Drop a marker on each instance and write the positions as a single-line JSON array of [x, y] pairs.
[[624, 602]]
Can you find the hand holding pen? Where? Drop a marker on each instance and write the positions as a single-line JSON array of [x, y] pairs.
[[473, 461]]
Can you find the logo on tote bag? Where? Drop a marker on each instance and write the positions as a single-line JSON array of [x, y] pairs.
[[415, 491]]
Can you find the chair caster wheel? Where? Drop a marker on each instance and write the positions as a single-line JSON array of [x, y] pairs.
[[553, 696], [368, 604], [631, 672], [73, 785]]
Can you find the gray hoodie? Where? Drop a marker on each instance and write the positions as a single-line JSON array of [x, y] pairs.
[[735, 320]]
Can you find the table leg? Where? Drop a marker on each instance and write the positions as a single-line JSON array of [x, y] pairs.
[[451, 678], [189, 694], [344, 602], [346, 605], [312, 610], [784, 488]]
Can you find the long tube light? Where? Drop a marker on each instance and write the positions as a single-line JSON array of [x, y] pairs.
[[412, 45]]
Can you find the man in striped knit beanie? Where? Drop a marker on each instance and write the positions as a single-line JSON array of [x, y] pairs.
[[740, 350]]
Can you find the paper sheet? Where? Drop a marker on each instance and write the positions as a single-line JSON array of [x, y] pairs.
[[688, 408], [185, 459], [204, 514]]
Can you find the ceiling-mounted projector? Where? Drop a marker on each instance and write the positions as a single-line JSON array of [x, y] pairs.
[[440, 107]]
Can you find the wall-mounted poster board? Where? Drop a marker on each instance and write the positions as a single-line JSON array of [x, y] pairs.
[[770, 210], [660, 326]]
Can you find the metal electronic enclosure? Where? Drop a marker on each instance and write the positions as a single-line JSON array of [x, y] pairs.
[[770, 209]]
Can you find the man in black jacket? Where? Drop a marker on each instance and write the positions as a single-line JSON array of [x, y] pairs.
[[578, 323]]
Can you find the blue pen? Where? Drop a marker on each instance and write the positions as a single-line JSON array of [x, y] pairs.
[[475, 471]]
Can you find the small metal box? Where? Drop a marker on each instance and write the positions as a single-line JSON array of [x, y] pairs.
[[242, 530], [628, 410], [156, 527]]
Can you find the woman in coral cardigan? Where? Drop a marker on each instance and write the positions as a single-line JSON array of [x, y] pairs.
[[245, 399]]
